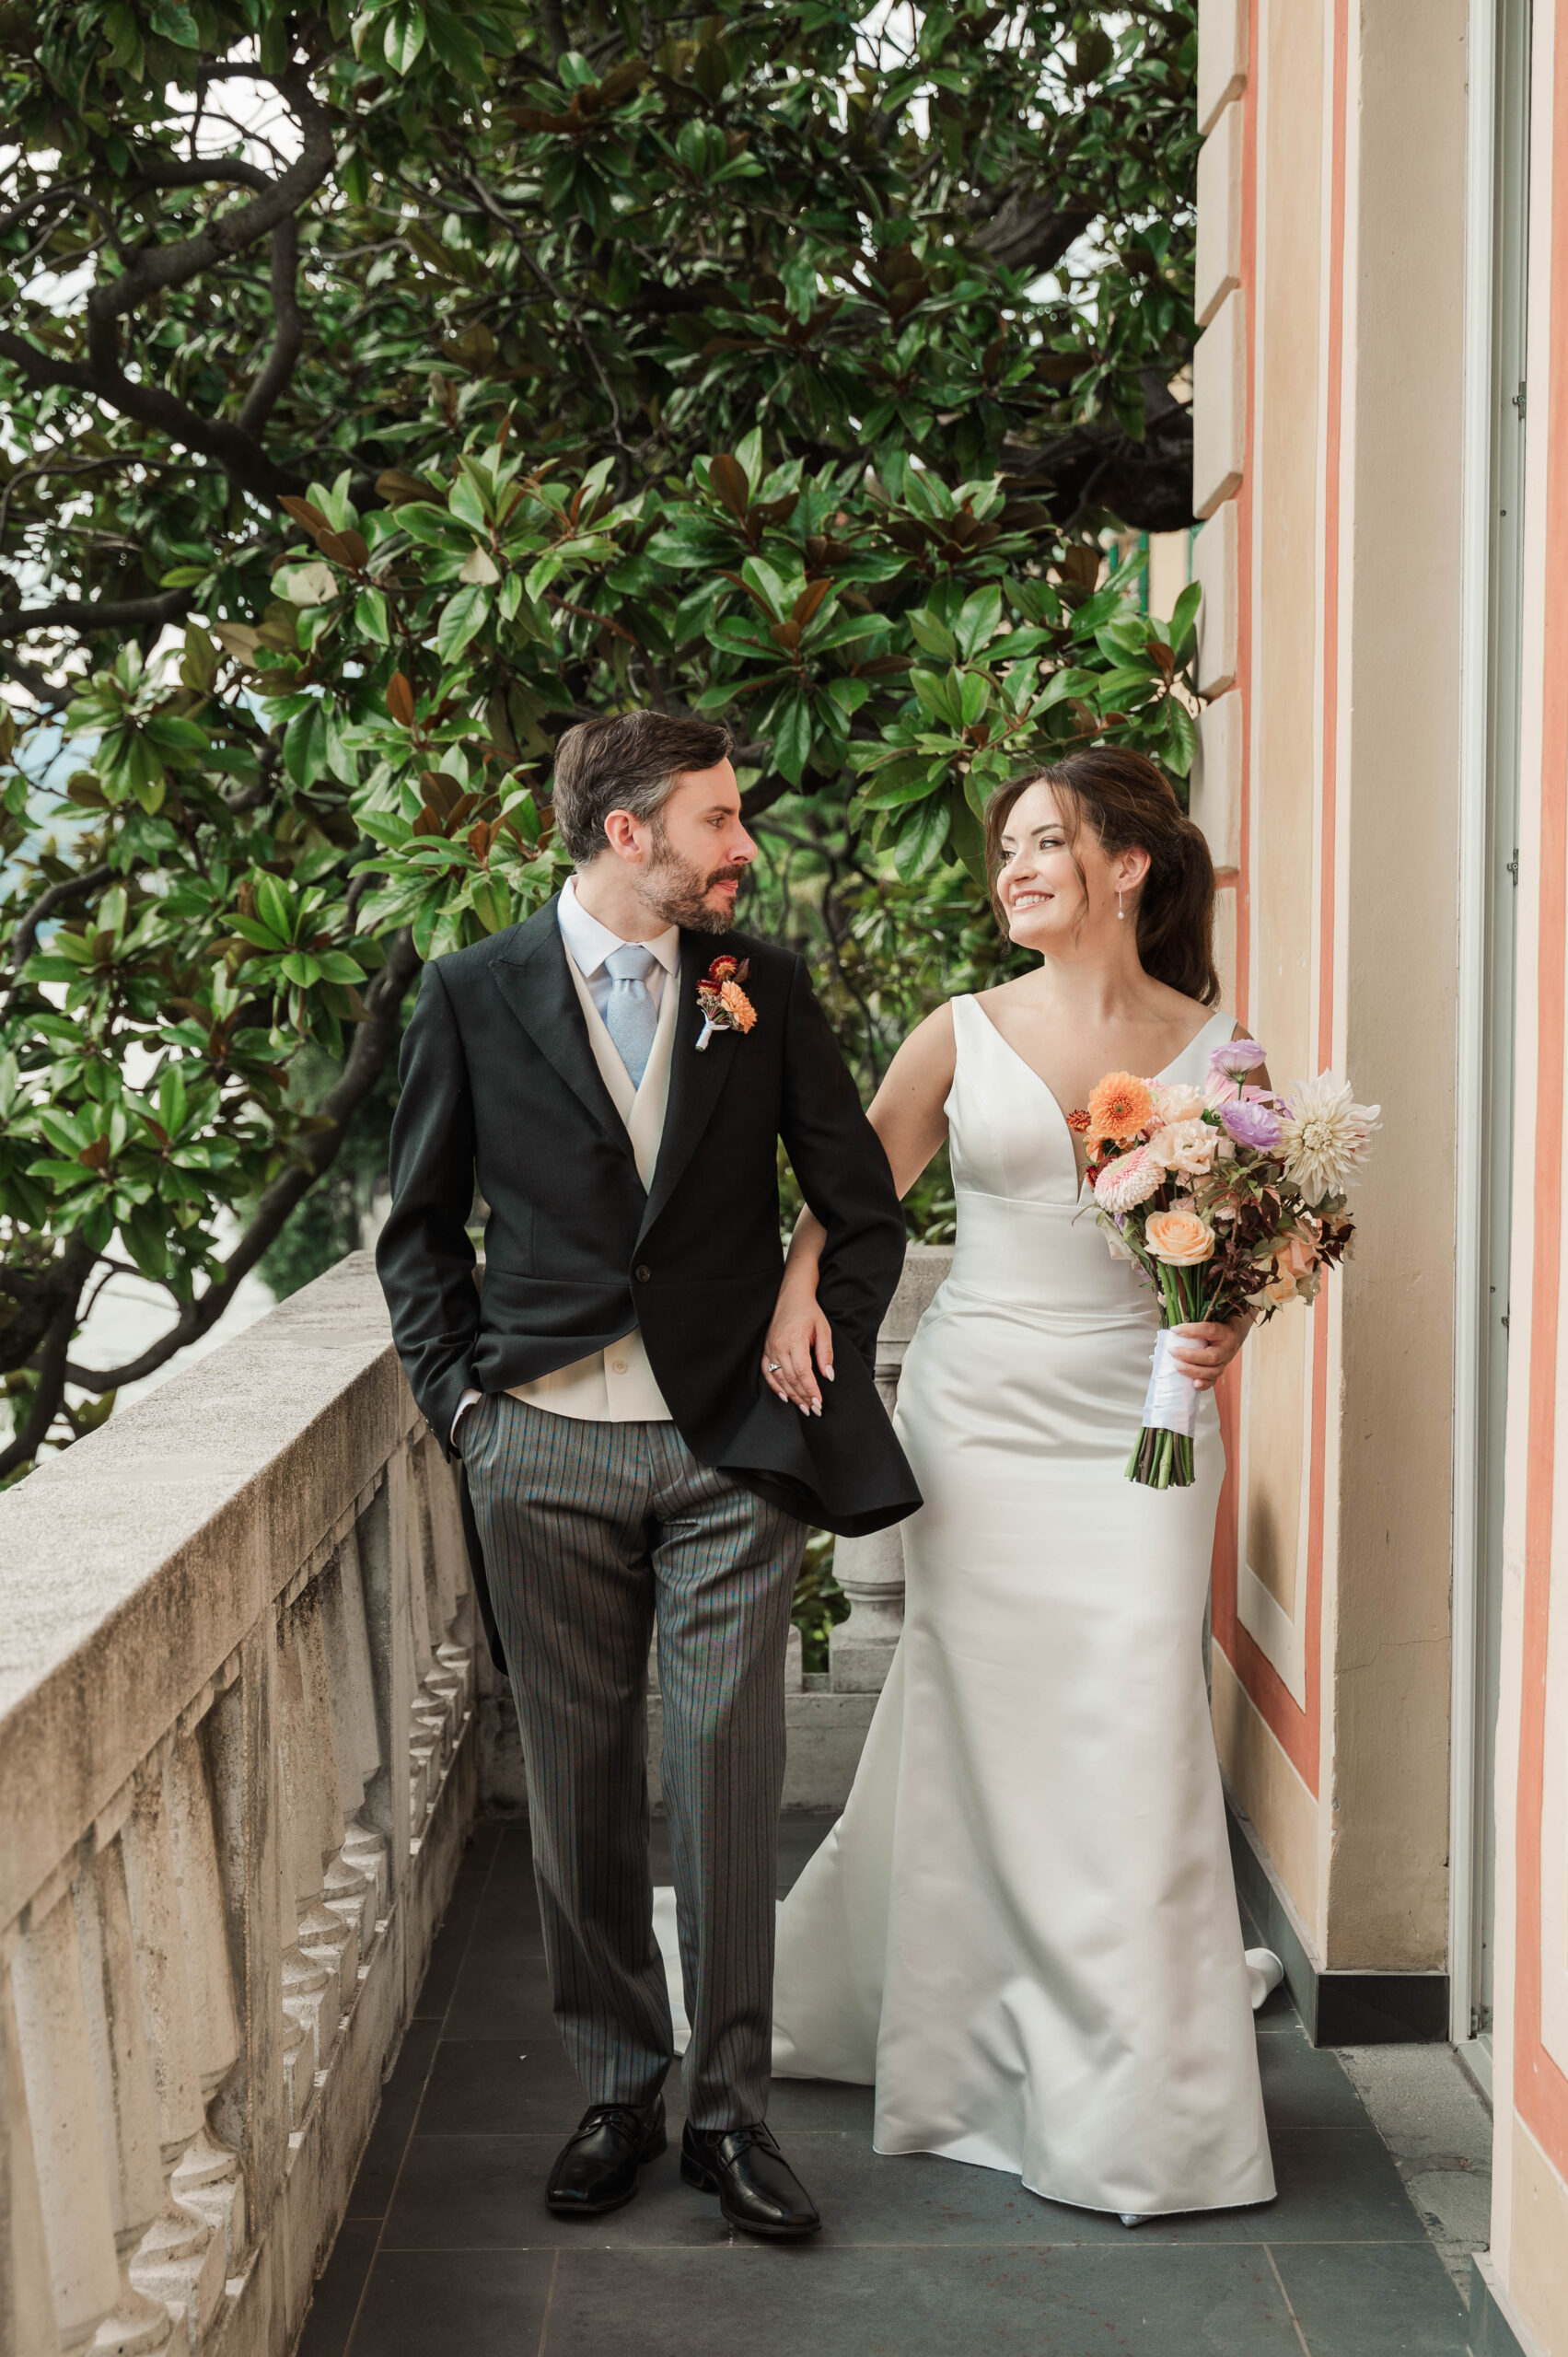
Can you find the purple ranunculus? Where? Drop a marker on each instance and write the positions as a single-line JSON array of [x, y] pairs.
[[1251, 1124], [1237, 1056]]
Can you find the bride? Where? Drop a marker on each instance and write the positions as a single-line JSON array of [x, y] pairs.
[[1024, 1927]]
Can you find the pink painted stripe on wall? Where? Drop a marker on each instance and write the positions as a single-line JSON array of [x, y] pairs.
[[1540, 2090]]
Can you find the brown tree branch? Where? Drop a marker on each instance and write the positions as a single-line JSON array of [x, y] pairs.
[[73, 1265], [26, 933], [101, 376], [374, 1041], [157, 268], [289, 335], [1031, 233], [200, 171], [100, 613]]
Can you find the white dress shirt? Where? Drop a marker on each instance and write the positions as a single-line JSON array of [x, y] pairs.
[[616, 1384]]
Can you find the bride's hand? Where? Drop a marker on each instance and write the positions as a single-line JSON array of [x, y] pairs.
[[1204, 1351], [799, 1347]]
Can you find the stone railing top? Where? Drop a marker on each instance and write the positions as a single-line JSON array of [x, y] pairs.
[[133, 1564]]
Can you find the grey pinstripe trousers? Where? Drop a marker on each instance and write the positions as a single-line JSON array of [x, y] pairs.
[[591, 1531]]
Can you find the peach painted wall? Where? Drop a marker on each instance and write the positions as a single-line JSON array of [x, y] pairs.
[[1332, 1569]]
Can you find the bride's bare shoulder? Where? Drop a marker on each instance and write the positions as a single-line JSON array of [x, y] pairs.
[[924, 1061]]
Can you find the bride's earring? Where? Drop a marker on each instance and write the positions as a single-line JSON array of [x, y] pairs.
[[1119, 909]]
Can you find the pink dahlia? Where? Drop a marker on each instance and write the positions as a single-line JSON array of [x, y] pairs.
[[1130, 1178]]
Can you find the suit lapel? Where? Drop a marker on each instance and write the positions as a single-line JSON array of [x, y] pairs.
[[696, 1081], [533, 979]]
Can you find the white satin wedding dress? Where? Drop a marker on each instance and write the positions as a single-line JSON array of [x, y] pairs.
[[1024, 1927]]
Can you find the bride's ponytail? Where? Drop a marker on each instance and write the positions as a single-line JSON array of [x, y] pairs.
[[1131, 805]]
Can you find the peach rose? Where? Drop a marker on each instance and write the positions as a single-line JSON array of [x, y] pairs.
[[1177, 1102], [1180, 1239]]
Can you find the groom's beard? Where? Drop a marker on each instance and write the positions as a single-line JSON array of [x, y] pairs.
[[677, 890]]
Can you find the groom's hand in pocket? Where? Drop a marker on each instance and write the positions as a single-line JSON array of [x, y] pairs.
[[797, 1357]]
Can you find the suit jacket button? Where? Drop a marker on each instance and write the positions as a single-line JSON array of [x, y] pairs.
[[642, 1272]]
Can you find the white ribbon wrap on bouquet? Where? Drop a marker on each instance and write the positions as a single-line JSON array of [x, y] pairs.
[[1171, 1403]]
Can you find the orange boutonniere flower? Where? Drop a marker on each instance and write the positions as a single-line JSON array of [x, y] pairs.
[[724, 1004]]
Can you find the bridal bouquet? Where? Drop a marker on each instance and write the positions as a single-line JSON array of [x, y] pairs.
[[1229, 1198]]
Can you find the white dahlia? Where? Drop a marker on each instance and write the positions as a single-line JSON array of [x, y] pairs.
[[1324, 1135]]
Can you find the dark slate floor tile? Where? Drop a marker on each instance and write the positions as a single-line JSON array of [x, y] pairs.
[[394, 2122], [870, 2201], [462, 2192], [500, 1992], [820, 2102], [1305, 2086], [1362, 2299], [491, 2086], [338, 2288], [486, 2304], [906, 2303], [1335, 2185], [505, 1928]]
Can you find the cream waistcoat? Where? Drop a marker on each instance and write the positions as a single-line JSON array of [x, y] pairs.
[[616, 1386]]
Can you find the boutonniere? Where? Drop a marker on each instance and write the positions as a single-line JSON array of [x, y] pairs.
[[724, 1004]]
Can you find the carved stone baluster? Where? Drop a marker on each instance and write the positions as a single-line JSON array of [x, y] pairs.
[[427, 1714], [344, 1891], [179, 2258], [26, 2293], [382, 1532], [454, 1658], [127, 2108], [207, 2179], [310, 1984], [74, 2187], [354, 1715]]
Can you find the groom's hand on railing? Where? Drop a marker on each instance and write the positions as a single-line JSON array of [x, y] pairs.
[[800, 1350]]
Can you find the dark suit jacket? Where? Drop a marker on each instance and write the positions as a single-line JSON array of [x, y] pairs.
[[499, 1080]]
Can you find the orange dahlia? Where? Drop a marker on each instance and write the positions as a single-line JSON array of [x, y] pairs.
[[1119, 1106], [736, 1005]]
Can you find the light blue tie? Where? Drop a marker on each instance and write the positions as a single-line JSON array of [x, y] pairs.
[[631, 1018]]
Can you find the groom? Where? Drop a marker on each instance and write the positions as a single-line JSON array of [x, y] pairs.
[[629, 1466]]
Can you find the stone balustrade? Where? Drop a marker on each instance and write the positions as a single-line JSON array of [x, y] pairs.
[[871, 1571], [236, 1698], [244, 1728]]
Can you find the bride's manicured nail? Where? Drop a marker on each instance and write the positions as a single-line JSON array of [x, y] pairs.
[[815, 1406], [826, 1375]]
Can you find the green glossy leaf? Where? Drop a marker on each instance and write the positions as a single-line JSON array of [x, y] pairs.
[[792, 738], [977, 619], [404, 36], [461, 621], [274, 907], [370, 616]]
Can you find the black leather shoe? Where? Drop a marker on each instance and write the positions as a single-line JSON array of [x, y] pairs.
[[597, 2169], [758, 2192]]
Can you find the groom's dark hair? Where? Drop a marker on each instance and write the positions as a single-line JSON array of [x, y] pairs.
[[629, 761]]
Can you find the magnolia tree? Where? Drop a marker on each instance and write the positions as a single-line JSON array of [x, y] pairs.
[[759, 365]]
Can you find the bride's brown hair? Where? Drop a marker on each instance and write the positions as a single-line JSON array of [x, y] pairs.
[[1131, 805]]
